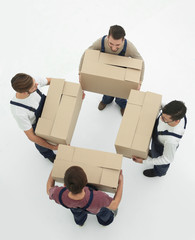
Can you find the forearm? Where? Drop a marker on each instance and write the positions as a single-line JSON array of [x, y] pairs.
[[117, 198], [41, 142], [50, 183], [38, 140], [167, 156]]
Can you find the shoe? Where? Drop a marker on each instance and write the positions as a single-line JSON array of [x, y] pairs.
[[149, 173], [52, 158], [101, 106], [122, 111]]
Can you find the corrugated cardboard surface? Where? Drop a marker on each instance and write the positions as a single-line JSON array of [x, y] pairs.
[[102, 168], [110, 74], [137, 124], [60, 112]]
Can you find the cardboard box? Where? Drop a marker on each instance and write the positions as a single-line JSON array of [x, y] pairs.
[[102, 168], [137, 124], [110, 74], [60, 112]]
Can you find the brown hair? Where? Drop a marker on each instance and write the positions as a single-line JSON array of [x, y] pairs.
[[75, 179], [117, 32], [22, 82], [176, 109]]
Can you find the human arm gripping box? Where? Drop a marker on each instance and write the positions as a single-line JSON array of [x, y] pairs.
[[60, 112], [137, 124], [110, 74], [102, 168]]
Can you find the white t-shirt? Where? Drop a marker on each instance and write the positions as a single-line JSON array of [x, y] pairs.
[[24, 117], [170, 143]]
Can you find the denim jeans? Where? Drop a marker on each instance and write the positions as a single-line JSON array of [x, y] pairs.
[[120, 101]]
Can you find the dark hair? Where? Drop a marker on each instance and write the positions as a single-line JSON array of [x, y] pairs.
[[75, 179], [117, 32], [176, 109], [22, 82]]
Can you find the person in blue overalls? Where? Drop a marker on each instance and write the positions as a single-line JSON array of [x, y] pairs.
[[115, 43], [26, 107], [82, 199], [168, 130]]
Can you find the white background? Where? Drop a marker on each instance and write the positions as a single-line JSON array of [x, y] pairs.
[[47, 38]]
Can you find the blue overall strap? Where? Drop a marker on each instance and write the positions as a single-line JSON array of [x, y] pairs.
[[173, 134], [185, 121], [85, 207], [169, 134], [60, 196], [90, 199], [39, 92], [102, 44], [22, 105], [25, 106], [122, 53]]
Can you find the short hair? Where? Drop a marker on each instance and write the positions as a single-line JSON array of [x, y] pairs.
[[22, 82], [117, 32], [176, 109], [75, 179]]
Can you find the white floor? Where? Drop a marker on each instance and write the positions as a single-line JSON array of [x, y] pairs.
[[47, 38]]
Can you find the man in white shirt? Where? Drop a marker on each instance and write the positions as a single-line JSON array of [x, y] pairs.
[[26, 107], [168, 130]]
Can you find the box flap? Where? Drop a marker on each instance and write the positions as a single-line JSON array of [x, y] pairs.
[[65, 153], [63, 117], [132, 75], [110, 178], [128, 126], [112, 161], [44, 127], [71, 89], [136, 97], [120, 61], [91, 157], [53, 98]]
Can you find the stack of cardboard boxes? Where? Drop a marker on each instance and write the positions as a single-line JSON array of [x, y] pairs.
[[110, 75]]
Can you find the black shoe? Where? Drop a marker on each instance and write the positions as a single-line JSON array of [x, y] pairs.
[[149, 173], [52, 158]]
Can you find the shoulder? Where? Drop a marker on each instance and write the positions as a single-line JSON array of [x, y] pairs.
[[101, 195], [54, 192], [96, 45]]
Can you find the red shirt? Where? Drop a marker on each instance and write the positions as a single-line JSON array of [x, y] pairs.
[[100, 199]]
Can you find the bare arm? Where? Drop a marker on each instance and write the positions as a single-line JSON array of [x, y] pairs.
[[38, 140], [48, 81], [50, 183], [118, 195]]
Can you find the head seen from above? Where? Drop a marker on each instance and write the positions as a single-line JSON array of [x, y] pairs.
[[173, 112], [23, 83], [75, 179], [116, 37]]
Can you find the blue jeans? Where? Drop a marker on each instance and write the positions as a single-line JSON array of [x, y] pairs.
[[104, 217], [45, 152], [120, 101]]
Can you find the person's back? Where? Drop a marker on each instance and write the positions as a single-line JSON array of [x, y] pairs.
[[82, 200]]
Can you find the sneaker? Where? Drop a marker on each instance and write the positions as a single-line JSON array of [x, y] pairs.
[[122, 111], [52, 158], [149, 173], [101, 106]]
